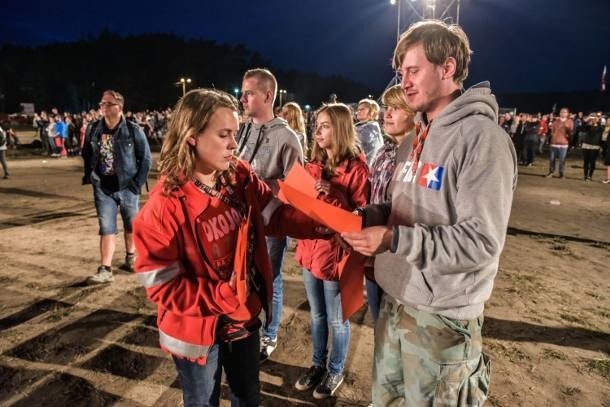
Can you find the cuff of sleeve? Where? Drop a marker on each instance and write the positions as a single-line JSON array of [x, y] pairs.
[[362, 213]]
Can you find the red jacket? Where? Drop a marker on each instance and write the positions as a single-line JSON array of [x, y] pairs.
[[350, 189], [189, 294]]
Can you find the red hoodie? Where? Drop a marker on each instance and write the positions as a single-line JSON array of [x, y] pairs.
[[350, 189], [190, 294]]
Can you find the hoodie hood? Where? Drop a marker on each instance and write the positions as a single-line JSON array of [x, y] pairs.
[[271, 125], [477, 100], [271, 149]]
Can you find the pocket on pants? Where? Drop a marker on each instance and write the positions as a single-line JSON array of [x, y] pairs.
[[463, 384]]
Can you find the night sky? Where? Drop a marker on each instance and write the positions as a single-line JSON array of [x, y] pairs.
[[519, 45]]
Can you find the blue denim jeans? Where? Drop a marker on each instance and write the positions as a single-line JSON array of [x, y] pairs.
[[108, 206], [325, 308], [558, 153], [373, 295], [541, 142], [240, 360], [276, 246]]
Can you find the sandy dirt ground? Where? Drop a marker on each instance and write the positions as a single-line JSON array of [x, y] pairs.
[[547, 326]]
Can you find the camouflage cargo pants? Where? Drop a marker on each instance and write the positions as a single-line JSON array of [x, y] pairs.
[[424, 359]]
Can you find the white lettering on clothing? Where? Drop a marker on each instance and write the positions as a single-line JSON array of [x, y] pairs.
[[221, 225], [407, 174]]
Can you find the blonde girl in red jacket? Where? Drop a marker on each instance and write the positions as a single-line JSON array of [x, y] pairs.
[[208, 212], [340, 169]]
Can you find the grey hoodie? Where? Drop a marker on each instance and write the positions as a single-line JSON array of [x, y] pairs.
[[449, 219], [271, 149]]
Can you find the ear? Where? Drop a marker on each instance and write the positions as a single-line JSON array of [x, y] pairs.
[[192, 141], [448, 68], [268, 97]]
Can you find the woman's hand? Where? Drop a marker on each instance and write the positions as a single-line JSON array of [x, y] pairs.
[[322, 186]]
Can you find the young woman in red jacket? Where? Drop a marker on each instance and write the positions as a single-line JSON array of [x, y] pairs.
[[201, 249], [340, 169]]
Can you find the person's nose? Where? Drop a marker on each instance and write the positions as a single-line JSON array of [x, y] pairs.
[[232, 143]]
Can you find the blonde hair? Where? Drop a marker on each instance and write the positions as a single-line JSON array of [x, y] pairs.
[[440, 42], [373, 108], [295, 118], [190, 117], [296, 121], [395, 97], [346, 144]]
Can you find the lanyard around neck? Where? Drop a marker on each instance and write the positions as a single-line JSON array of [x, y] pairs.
[[421, 133]]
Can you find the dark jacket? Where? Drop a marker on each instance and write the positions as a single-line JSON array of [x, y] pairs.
[[131, 155], [592, 134]]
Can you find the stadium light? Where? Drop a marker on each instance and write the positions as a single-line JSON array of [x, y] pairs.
[[183, 82], [282, 94]]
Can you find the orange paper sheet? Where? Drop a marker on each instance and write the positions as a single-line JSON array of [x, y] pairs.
[[239, 263], [330, 216], [301, 180], [351, 281]]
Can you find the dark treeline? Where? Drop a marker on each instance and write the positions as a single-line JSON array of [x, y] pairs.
[[145, 68]]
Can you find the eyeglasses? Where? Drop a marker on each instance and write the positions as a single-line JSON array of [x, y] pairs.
[[107, 104]]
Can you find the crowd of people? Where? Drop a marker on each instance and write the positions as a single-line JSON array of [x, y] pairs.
[[563, 133], [432, 180], [63, 134]]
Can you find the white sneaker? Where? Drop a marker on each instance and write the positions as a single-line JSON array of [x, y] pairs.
[[103, 275], [268, 345]]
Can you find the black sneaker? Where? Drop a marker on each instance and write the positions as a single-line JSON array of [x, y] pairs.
[[268, 345], [314, 375], [328, 386], [130, 260]]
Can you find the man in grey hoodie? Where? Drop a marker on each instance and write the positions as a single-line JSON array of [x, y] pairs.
[[271, 147], [439, 240]]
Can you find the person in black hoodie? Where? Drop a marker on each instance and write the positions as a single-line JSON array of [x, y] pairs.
[[591, 140], [531, 129]]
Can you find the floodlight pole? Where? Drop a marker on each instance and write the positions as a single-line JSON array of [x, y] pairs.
[[395, 80], [398, 21], [457, 20]]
